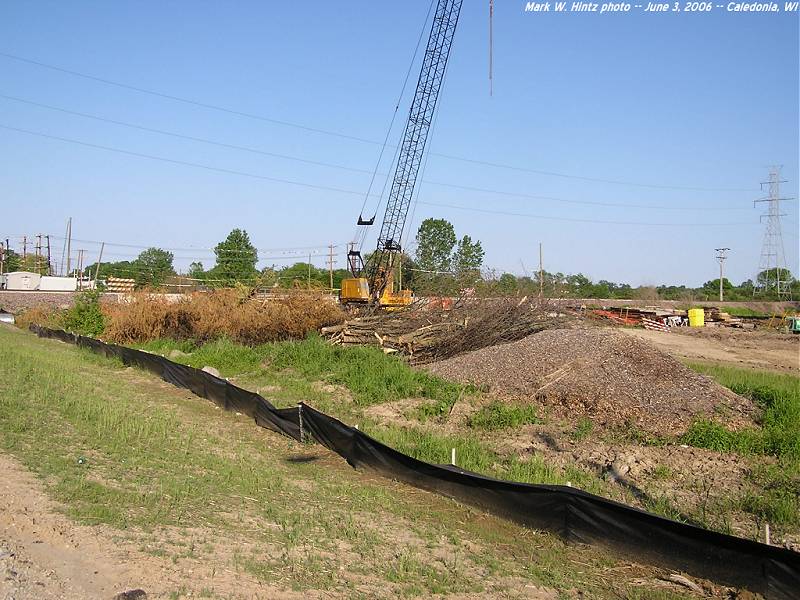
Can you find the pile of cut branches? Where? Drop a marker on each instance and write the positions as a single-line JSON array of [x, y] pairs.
[[425, 332]]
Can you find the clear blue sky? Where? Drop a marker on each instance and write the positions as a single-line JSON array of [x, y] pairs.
[[682, 100]]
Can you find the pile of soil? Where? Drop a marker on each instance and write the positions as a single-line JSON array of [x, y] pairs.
[[605, 375]]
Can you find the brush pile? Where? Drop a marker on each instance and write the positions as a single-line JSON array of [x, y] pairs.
[[426, 333]]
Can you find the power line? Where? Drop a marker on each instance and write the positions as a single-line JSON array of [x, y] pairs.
[[183, 136], [573, 220], [182, 162], [139, 246], [352, 137], [323, 187], [354, 169], [587, 202], [186, 100]]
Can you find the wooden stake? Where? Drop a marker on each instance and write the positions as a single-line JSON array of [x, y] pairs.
[[453, 456]]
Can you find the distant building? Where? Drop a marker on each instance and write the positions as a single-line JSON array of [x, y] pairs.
[[22, 280]]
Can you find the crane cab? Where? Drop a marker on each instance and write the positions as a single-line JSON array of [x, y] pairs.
[[354, 289]]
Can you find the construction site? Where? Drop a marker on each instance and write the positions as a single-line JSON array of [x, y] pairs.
[[414, 388]]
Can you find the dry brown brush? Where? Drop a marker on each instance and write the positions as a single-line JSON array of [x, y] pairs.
[[433, 330], [222, 313]]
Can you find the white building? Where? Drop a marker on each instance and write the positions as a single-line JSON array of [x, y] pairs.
[[22, 280]]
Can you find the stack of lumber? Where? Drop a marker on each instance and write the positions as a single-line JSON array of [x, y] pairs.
[[715, 315]]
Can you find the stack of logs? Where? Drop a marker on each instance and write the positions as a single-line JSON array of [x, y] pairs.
[[426, 335]]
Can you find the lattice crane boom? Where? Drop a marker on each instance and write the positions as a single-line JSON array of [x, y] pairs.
[[412, 146]]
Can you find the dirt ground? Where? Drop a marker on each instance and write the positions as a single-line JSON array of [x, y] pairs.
[[602, 374], [727, 346], [46, 556]]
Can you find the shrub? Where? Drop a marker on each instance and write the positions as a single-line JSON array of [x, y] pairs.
[[85, 317], [43, 315]]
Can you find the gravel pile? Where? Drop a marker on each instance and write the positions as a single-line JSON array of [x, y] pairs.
[[602, 374]]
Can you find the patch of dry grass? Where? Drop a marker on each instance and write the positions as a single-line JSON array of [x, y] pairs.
[[222, 313]]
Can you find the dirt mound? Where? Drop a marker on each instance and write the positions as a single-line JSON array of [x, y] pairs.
[[603, 374]]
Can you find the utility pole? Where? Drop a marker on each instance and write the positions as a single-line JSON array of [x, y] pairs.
[[309, 270], [773, 256], [541, 272], [2, 258], [24, 247], [69, 243], [39, 254], [330, 264], [49, 258], [99, 260], [80, 269], [721, 258]]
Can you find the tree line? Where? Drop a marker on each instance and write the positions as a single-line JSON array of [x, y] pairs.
[[442, 264]]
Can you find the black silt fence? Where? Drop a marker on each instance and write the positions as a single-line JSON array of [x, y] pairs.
[[574, 515]]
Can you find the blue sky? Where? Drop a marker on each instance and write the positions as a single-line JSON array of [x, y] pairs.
[[671, 101]]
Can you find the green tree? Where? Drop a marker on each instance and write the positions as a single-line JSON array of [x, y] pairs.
[[507, 284], [467, 260], [11, 262], [153, 266], [769, 277], [236, 259], [436, 239]]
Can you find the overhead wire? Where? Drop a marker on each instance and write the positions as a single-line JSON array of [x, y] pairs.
[[352, 137], [575, 220], [264, 177], [695, 207], [397, 105]]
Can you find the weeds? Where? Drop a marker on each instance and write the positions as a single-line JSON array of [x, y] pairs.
[[499, 415], [582, 429], [370, 375], [779, 397]]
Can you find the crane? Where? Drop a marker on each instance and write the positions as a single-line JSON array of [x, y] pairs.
[[373, 283]]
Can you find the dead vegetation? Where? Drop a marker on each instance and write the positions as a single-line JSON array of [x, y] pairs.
[[602, 374], [425, 332], [222, 313]]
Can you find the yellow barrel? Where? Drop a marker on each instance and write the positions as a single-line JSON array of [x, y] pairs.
[[697, 317]]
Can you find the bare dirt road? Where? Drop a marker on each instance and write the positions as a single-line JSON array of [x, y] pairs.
[[738, 348]]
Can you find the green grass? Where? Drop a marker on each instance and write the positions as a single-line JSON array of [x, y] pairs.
[[475, 456], [743, 311], [778, 395], [158, 457], [775, 493], [370, 375], [582, 429], [502, 415]]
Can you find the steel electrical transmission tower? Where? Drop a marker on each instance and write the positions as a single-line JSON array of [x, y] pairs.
[[772, 272]]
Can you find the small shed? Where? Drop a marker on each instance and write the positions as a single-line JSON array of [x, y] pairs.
[[22, 281]]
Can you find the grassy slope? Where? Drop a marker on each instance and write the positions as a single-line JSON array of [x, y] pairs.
[[118, 447], [778, 435], [287, 373]]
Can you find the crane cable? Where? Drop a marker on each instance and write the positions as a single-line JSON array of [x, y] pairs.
[[362, 236], [491, 44]]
